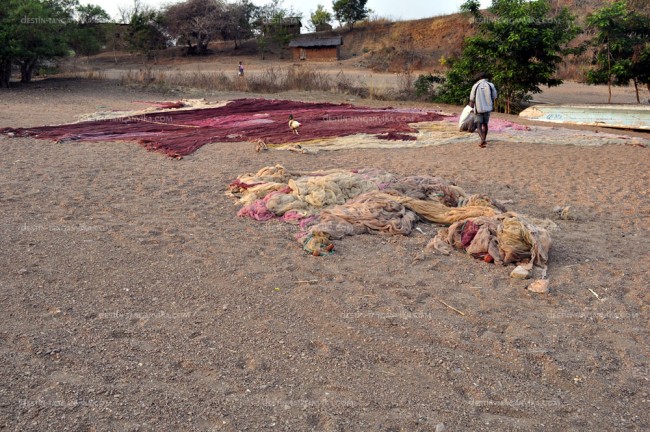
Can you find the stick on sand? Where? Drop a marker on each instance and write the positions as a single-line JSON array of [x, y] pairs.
[[451, 307]]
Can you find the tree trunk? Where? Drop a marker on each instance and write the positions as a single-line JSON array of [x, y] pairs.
[[5, 72], [114, 48], [23, 72], [26, 70], [609, 89], [636, 89], [609, 73]]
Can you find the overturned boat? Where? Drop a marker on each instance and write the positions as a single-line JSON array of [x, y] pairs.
[[613, 116]]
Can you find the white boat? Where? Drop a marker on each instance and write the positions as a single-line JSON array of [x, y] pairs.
[[613, 116]]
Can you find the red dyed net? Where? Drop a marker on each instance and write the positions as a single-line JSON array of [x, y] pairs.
[[180, 133]]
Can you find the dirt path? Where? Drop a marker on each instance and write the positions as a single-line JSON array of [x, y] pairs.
[[134, 299]]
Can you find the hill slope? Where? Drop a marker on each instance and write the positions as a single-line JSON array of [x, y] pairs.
[[389, 46]]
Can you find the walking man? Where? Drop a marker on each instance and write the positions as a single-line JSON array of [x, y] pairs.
[[482, 99]]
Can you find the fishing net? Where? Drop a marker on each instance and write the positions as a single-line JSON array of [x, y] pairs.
[[504, 238], [180, 132], [329, 205], [179, 128]]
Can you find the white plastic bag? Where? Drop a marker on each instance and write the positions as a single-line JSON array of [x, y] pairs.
[[466, 121]]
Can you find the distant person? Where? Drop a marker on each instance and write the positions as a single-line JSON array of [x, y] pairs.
[[481, 98], [241, 69]]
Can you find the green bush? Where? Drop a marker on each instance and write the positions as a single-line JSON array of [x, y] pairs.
[[424, 86]]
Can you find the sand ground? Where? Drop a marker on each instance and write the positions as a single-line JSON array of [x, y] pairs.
[[134, 299]]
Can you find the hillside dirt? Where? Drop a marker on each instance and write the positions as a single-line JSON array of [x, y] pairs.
[[134, 299]]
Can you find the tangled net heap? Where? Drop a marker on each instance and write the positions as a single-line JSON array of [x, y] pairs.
[[178, 133], [329, 205]]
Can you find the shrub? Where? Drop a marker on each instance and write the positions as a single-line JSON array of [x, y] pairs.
[[424, 86]]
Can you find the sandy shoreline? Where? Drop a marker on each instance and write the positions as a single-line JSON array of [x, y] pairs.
[[135, 299]]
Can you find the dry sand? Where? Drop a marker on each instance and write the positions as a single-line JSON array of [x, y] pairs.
[[134, 299]]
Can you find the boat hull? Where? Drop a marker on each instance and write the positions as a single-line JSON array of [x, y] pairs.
[[613, 116]]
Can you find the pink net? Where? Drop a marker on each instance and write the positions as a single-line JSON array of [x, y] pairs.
[[180, 133], [257, 210]]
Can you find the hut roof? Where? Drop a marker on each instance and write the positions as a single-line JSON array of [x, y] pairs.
[[306, 42]]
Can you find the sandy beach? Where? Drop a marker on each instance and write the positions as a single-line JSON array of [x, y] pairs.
[[134, 298]]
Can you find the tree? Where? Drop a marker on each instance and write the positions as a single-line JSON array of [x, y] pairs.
[[88, 36], [521, 47], [350, 11], [91, 14], [197, 22], [127, 11], [640, 38], [471, 6], [32, 31], [145, 33], [320, 17], [272, 22], [641, 68], [8, 45], [622, 47], [237, 25]]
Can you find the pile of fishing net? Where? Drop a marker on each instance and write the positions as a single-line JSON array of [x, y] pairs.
[[329, 205]]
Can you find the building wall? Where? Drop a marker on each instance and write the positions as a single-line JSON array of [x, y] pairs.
[[293, 29], [316, 54], [290, 29]]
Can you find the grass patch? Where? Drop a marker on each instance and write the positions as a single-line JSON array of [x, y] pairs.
[[271, 80]]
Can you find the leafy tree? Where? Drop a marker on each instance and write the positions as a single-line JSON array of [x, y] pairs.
[[640, 37], [424, 86], [320, 17], [350, 11], [622, 47], [521, 47], [271, 20], [471, 6], [32, 31], [88, 36], [145, 33], [460, 77], [8, 43], [91, 14]]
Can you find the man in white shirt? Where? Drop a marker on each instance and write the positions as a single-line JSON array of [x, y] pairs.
[[481, 98]]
